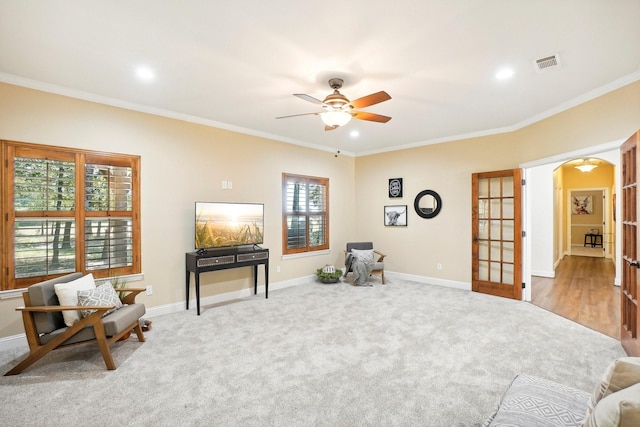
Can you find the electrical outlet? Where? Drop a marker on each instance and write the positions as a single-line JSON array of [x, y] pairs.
[[224, 185], [149, 290], [277, 269], [229, 185], [439, 266]]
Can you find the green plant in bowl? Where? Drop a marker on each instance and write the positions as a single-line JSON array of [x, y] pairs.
[[329, 277]]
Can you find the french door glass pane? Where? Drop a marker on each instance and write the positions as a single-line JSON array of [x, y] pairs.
[[495, 230], [495, 251], [507, 274], [483, 270], [495, 275], [483, 250], [483, 229], [507, 252], [507, 186], [494, 187], [483, 209], [507, 230], [483, 188], [495, 208], [507, 209]]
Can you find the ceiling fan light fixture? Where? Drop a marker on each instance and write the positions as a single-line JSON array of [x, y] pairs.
[[335, 118], [586, 166]]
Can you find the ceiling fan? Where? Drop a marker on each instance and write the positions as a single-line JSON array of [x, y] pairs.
[[338, 110]]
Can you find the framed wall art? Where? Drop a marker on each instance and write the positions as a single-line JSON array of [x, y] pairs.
[[582, 205], [395, 216], [395, 188]]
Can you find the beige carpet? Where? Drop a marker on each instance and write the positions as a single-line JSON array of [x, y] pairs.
[[403, 354]]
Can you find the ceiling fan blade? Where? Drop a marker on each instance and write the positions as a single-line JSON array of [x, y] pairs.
[[296, 115], [362, 115], [308, 98], [327, 127], [374, 98]]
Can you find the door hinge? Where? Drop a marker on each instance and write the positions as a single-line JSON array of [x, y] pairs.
[[524, 181], [524, 233], [523, 285]]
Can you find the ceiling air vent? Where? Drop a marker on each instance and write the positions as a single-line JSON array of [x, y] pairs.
[[547, 64]]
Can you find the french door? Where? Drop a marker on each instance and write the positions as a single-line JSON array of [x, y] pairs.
[[497, 233], [630, 321]]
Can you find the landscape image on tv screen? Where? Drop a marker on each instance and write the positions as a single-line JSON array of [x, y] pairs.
[[219, 224]]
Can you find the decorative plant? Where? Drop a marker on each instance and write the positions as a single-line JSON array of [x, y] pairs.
[[329, 274], [117, 283]]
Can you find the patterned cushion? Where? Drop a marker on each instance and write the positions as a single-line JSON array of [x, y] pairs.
[[101, 296], [533, 401], [365, 255], [620, 374], [67, 294], [621, 408]]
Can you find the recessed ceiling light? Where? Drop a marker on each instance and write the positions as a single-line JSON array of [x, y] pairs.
[[354, 134], [145, 73], [505, 73]]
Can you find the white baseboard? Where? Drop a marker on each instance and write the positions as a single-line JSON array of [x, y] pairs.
[[429, 280], [540, 273]]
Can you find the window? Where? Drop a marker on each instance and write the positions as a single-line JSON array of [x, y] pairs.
[[68, 210], [305, 214]]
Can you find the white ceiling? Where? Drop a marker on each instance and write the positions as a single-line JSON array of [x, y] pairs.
[[236, 64]]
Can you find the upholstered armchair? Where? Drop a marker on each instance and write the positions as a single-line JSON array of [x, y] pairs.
[[378, 261], [99, 314]]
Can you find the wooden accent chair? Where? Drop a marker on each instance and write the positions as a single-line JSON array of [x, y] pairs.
[[378, 266], [46, 330]]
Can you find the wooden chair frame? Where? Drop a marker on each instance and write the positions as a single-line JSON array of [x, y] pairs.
[[95, 320]]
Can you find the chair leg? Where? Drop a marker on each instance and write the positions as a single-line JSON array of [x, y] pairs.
[[382, 274], [104, 346], [139, 333]]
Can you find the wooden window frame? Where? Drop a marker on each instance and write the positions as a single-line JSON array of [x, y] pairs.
[[287, 177], [12, 149]]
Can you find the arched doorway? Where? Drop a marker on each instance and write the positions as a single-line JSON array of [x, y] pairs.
[[549, 224]]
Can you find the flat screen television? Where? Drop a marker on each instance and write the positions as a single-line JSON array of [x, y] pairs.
[[226, 224]]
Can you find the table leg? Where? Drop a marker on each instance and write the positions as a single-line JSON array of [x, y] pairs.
[[187, 281], [255, 279], [266, 279], [198, 292]]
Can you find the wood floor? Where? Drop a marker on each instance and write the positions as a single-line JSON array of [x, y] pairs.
[[582, 291]]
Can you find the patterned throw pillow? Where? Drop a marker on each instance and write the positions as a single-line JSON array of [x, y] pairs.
[[363, 255], [534, 401], [103, 295]]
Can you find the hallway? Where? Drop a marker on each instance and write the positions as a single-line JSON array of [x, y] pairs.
[[582, 291]]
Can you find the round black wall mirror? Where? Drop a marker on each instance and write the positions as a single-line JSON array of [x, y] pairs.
[[427, 204]]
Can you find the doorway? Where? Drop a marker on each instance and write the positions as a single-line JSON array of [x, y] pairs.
[[548, 224], [587, 223]]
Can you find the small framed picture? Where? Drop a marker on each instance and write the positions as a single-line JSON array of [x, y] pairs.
[[395, 216], [395, 188]]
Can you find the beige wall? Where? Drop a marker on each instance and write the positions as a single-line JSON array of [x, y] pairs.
[[447, 168], [183, 162]]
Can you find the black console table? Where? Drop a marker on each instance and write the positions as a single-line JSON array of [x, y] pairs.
[[222, 259]]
